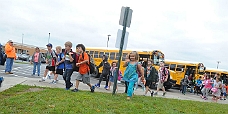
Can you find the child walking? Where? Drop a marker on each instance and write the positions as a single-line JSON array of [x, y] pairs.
[[184, 84], [217, 89], [151, 76], [112, 73], [207, 86], [130, 74], [68, 61], [59, 64], [105, 71]]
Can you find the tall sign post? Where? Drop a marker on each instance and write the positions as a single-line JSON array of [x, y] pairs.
[[125, 21], [49, 37]]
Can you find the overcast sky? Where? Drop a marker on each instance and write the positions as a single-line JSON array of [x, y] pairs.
[[194, 30]]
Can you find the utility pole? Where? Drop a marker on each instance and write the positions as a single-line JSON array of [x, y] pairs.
[[22, 43], [218, 63], [49, 37], [108, 40]]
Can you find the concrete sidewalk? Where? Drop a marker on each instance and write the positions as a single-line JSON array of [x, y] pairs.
[[12, 81]]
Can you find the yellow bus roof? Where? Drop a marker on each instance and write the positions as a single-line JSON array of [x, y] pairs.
[[117, 50], [216, 70], [182, 62]]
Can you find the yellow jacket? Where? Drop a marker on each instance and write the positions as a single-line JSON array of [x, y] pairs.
[[10, 51]]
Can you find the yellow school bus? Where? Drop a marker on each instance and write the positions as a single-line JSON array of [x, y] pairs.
[[178, 69], [113, 55], [223, 74]]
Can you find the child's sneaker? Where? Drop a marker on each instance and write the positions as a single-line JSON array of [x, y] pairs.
[[106, 87], [164, 93], [74, 90], [152, 93], [54, 81], [205, 98], [156, 93], [42, 79], [92, 89], [97, 85]]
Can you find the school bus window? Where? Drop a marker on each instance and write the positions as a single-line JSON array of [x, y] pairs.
[[180, 68], [112, 55], [213, 74], [96, 54], [167, 66], [101, 54], [172, 67], [107, 54], [91, 53], [124, 56], [117, 56]]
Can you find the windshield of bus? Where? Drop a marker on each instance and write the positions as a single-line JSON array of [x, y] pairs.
[[201, 68], [157, 57]]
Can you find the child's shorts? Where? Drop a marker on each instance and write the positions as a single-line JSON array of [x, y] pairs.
[[224, 93], [59, 71], [111, 79]]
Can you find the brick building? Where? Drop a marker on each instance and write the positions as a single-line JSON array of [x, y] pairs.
[[26, 49]]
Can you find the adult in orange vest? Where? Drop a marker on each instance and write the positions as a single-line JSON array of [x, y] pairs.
[[11, 55]]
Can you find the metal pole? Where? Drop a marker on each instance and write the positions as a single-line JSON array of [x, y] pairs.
[[22, 43], [121, 49], [108, 41], [218, 64], [49, 38]]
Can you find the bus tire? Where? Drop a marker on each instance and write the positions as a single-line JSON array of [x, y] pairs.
[[96, 73]]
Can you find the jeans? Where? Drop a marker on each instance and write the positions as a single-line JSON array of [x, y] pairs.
[[184, 87], [9, 64], [67, 77], [36, 64]]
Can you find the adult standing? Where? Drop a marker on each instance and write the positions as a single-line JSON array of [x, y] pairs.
[[36, 60], [11, 55]]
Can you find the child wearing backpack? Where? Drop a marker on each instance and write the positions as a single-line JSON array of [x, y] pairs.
[[105, 71], [59, 64], [50, 61], [84, 68], [130, 74], [68, 60], [150, 75]]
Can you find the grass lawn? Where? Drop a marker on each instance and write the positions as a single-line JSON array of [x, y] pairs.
[[33, 100]]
